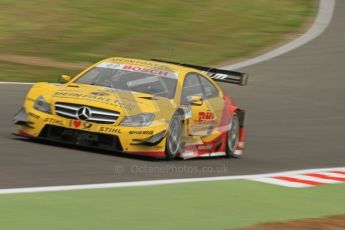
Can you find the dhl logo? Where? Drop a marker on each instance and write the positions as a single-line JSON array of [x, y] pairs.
[[206, 116]]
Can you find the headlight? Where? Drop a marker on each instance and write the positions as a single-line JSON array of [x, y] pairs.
[[42, 105], [144, 119]]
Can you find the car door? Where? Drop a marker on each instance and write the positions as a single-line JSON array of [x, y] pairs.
[[213, 100], [194, 98]]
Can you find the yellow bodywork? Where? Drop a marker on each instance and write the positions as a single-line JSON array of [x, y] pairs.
[[127, 104]]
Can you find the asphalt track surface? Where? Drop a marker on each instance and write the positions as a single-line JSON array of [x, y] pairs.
[[295, 120]]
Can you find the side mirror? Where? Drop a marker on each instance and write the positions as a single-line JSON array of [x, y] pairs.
[[64, 79], [195, 100]]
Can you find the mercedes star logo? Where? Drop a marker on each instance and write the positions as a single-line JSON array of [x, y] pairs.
[[84, 113]]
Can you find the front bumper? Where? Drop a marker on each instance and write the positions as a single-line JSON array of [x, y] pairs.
[[81, 138], [148, 141]]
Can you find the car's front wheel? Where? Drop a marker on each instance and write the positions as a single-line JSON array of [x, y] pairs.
[[233, 135], [173, 139]]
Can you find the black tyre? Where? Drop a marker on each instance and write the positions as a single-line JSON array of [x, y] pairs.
[[233, 135], [173, 139]]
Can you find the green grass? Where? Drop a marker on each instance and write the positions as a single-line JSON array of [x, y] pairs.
[[207, 205], [28, 73], [200, 32]]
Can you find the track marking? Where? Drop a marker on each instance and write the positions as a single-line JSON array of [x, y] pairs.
[[323, 18], [274, 181], [334, 174], [305, 179], [16, 83], [271, 178], [316, 179], [326, 177], [342, 173], [296, 180]]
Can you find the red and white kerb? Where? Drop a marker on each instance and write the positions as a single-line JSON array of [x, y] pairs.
[[305, 180]]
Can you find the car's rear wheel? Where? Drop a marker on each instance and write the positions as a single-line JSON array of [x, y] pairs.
[[233, 135], [173, 139]]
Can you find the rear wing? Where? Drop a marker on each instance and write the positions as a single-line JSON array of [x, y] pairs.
[[220, 75]]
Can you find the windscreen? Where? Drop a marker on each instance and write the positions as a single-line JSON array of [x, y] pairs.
[[132, 78]]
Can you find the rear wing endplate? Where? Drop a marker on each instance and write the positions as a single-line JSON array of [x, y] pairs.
[[220, 75]]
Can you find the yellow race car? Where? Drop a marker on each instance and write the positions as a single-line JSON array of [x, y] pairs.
[[154, 108]]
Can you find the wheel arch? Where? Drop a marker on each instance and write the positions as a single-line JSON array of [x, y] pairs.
[[182, 113], [241, 114]]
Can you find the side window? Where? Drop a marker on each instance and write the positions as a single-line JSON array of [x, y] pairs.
[[191, 87], [209, 89]]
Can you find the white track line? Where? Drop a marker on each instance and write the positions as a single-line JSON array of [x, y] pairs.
[[257, 177], [15, 83], [324, 16]]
